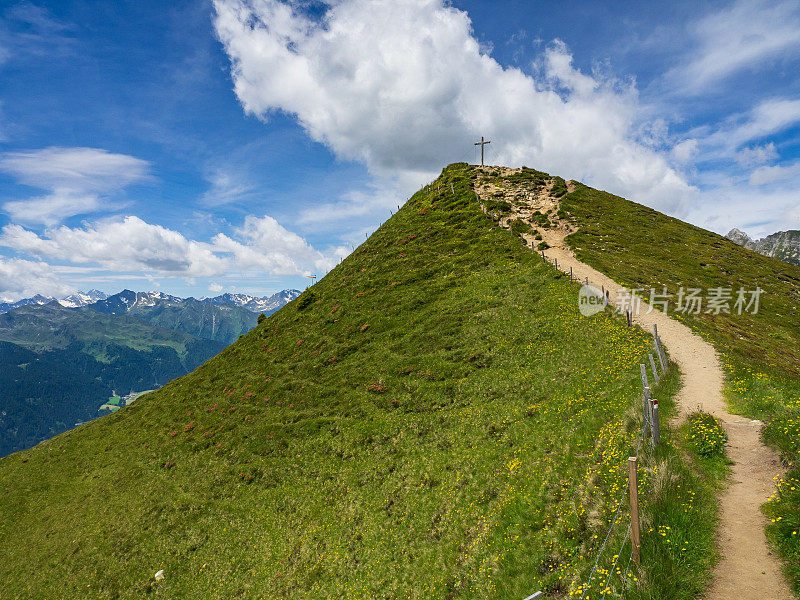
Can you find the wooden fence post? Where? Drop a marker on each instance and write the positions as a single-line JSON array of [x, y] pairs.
[[556, 262], [633, 492], [655, 429], [643, 372], [662, 358], [653, 366], [570, 273]]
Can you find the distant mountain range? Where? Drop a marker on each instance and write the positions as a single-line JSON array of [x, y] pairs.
[[61, 359], [72, 301], [265, 304], [218, 322], [82, 298], [783, 245]]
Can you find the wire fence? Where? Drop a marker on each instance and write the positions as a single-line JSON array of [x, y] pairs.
[[649, 424]]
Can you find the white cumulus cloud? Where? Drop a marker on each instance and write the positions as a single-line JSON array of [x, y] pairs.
[[74, 177], [767, 118], [770, 174], [126, 245], [733, 140], [24, 278], [756, 155], [685, 151], [265, 244], [741, 36], [131, 244], [53, 208], [405, 87]]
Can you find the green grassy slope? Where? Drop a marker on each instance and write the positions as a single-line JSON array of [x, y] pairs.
[[642, 248], [433, 419]]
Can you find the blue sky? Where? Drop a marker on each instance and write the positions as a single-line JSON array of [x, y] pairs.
[[200, 147]]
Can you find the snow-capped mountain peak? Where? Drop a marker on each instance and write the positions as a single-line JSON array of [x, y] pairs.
[[37, 299], [82, 298], [127, 300], [153, 298], [265, 304]]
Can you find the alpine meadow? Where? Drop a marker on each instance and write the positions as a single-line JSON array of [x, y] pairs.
[[433, 419]]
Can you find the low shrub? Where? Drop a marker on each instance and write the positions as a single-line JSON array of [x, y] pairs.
[[559, 187], [520, 227]]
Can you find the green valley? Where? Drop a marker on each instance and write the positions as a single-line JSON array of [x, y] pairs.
[[59, 364], [63, 358]]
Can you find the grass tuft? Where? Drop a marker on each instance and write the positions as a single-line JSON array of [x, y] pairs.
[[706, 435]]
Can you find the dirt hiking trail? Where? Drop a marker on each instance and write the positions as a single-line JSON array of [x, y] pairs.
[[747, 568]]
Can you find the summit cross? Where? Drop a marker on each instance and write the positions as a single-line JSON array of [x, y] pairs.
[[482, 144]]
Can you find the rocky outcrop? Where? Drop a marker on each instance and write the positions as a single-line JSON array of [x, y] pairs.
[[783, 245]]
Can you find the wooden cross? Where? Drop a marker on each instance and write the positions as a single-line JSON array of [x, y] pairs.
[[482, 144]]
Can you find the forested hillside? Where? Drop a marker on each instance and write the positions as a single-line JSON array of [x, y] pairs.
[[61, 364], [219, 322]]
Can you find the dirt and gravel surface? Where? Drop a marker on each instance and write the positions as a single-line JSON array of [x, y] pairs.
[[747, 568]]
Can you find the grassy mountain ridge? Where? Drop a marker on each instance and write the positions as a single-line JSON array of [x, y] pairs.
[[642, 248], [433, 419]]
